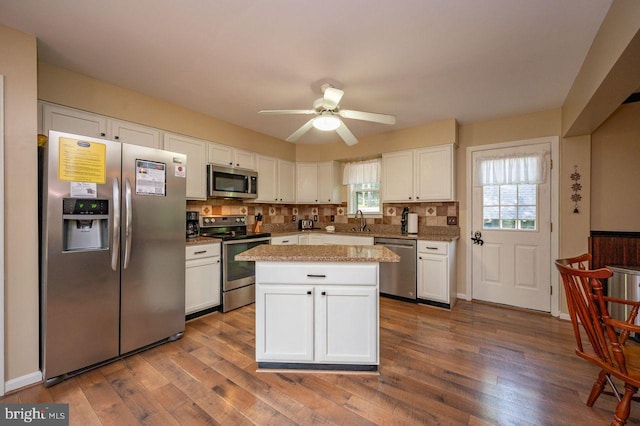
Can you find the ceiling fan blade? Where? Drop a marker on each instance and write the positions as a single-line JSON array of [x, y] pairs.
[[346, 134], [332, 97], [301, 131], [368, 116], [287, 111]]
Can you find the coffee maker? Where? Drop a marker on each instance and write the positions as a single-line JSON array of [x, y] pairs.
[[193, 225], [404, 222]]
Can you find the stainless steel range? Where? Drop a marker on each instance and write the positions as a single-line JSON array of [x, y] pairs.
[[238, 278]]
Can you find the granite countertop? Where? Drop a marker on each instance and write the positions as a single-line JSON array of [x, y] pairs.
[[202, 240], [329, 253], [430, 237]]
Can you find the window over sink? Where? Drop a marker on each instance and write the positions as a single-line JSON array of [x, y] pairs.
[[363, 179]]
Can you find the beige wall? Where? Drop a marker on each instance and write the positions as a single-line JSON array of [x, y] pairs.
[[615, 172], [18, 65], [68, 88], [438, 133]]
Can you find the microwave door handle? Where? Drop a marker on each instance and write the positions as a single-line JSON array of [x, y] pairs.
[[115, 244], [128, 223]]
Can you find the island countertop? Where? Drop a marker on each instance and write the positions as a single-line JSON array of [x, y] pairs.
[[328, 253]]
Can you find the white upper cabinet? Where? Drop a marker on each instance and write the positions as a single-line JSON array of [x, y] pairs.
[[231, 157], [74, 121], [267, 168], [424, 174], [329, 182], [397, 176], [70, 120], [286, 188], [136, 134], [307, 182], [435, 173], [196, 151], [318, 182]]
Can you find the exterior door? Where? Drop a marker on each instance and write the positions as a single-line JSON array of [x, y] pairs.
[[513, 265]]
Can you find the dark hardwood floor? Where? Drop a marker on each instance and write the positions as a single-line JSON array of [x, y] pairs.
[[476, 365]]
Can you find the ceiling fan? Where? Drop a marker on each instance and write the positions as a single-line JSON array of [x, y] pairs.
[[327, 113]]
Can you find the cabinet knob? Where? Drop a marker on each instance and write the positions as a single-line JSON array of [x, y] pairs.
[[420, 257], [218, 261], [409, 197], [417, 198], [231, 164], [324, 293], [237, 164], [102, 134], [117, 138], [316, 201], [308, 291]]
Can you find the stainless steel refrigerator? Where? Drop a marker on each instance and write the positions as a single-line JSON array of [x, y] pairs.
[[112, 254]]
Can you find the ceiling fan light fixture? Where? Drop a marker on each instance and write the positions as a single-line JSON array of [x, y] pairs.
[[326, 122]]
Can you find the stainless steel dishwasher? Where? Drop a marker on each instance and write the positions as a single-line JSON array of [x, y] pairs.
[[399, 279]]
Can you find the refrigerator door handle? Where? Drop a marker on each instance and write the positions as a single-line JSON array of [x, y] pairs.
[[127, 222], [115, 245]]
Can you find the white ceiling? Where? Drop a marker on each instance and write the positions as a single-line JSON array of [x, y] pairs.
[[421, 60]]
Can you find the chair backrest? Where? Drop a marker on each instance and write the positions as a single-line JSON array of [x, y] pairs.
[[587, 307]]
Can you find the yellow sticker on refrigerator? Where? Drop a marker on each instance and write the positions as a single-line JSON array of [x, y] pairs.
[[82, 161]]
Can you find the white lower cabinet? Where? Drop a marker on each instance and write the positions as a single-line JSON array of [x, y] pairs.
[[287, 240], [316, 313], [202, 277], [436, 272]]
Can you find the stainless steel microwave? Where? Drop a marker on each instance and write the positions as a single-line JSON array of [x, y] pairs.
[[231, 182]]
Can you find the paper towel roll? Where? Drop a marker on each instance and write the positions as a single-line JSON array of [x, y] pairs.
[[412, 223]]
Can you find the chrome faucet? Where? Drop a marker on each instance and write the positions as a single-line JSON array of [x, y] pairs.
[[363, 224]]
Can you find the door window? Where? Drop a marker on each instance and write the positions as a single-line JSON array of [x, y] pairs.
[[510, 207]]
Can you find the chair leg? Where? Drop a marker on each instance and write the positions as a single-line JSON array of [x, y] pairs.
[[624, 406], [597, 388]]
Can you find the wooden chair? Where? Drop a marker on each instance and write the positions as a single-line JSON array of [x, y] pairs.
[[607, 337]]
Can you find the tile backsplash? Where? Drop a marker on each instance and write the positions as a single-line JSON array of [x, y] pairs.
[[432, 216]]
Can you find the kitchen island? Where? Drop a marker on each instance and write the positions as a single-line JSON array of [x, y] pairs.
[[317, 306]]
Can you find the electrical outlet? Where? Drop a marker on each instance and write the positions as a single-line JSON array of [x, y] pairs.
[[315, 217], [452, 220], [333, 218], [293, 218]]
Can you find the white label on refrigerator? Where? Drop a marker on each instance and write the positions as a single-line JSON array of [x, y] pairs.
[[83, 190], [151, 178], [181, 171]]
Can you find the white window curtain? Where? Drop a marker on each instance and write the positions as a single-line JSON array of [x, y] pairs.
[[361, 172], [530, 168]]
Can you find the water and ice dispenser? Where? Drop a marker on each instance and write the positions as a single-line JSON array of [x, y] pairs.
[[85, 224]]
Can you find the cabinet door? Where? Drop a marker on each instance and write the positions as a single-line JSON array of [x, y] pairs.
[[73, 121], [433, 277], [244, 159], [329, 182], [220, 154], [136, 134], [267, 178], [195, 150], [286, 181], [303, 240], [202, 284], [434, 173], [339, 338], [306, 183], [397, 176], [284, 323]]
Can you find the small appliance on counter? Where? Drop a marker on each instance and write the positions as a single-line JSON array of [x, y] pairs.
[[193, 225], [305, 224], [404, 223]]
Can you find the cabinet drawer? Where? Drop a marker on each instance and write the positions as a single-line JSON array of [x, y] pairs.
[[329, 273], [433, 247], [202, 250]]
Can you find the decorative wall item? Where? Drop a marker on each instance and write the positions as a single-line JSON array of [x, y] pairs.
[[576, 187]]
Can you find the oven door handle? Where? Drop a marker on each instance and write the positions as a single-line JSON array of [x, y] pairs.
[[247, 240]]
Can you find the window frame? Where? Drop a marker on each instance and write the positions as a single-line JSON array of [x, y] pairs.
[[352, 206]]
